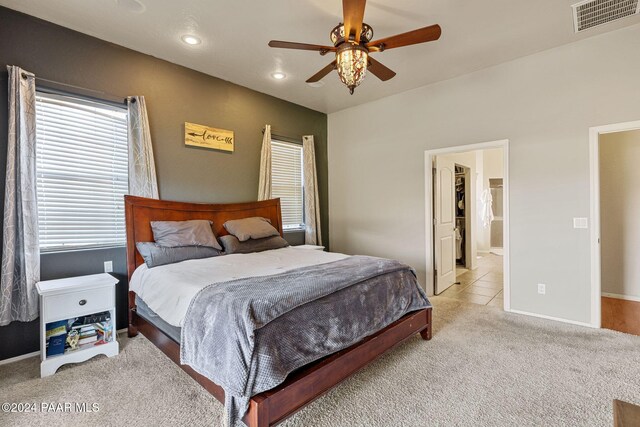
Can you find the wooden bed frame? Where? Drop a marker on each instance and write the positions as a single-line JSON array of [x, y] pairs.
[[302, 386]]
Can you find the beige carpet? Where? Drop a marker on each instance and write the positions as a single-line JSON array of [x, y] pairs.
[[483, 367]]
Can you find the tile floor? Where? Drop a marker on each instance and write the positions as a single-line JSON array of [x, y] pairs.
[[482, 285]]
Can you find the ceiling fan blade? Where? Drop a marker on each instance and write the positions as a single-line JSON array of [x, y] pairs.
[[420, 35], [353, 13], [320, 74], [301, 46], [379, 70]]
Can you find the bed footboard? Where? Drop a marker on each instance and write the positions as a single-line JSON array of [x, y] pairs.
[[304, 386], [426, 332]]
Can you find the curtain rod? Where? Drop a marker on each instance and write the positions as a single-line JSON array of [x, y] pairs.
[[111, 98], [287, 138]]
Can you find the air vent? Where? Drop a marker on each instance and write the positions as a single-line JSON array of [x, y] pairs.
[[591, 13]]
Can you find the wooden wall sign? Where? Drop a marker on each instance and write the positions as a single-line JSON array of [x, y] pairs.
[[206, 137]]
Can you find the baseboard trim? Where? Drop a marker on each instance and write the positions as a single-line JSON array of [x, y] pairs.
[[624, 297], [557, 319], [18, 358]]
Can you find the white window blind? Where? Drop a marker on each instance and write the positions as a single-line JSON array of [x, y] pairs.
[[287, 182], [82, 174]]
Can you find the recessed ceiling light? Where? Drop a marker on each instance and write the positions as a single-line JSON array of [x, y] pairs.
[[134, 6], [192, 40], [278, 75]]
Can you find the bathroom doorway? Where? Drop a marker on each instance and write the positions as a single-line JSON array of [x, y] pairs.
[[468, 210]]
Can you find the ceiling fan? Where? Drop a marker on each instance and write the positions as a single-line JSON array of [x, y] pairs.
[[352, 45]]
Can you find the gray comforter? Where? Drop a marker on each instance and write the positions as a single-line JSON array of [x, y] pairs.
[[247, 335]]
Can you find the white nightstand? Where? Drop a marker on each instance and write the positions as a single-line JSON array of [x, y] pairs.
[[313, 247], [71, 298]]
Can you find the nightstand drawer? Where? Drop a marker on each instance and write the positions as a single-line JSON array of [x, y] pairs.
[[72, 304]]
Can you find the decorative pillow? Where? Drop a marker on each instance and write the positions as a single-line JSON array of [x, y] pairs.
[[251, 228], [232, 245], [195, 232], [155, 255]]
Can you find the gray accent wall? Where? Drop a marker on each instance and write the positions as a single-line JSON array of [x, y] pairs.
[[544, 105], [174, 95]]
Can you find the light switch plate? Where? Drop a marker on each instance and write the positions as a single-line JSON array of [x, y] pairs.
[[108, 266], [580, 223]]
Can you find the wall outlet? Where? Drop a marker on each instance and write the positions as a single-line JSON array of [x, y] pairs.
[[542, 288], [108, 266]]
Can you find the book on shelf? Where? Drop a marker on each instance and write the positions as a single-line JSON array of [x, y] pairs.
[[56, 328], [84, 329], [88, 339], [105, 316], [55, 345], [78, 333]]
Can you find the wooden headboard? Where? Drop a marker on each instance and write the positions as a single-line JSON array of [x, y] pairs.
[[140, 211]]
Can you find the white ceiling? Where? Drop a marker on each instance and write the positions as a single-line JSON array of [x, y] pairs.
[[475, 35]]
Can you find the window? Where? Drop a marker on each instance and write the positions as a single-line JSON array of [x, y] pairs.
[[81, 168], [287, 182]]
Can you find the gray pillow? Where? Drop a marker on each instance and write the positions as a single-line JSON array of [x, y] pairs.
[[234, 246], [250, 228], [155, 255], [196, 232]]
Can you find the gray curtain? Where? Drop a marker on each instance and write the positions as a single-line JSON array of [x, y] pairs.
[[313, 231], [20, 249], [264, 184], [142, 170]]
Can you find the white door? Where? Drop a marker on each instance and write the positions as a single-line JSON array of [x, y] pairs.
[[445, 220]]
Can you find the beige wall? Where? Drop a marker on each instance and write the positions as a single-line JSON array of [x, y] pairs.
[[544, 104], [620, 212], [492, 167], [467, 159]]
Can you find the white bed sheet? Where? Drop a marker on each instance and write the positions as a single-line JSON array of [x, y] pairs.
[[169, 289]]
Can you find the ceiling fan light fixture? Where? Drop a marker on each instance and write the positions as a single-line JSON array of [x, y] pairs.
[[352, 43], [337, 34], [351, 63]]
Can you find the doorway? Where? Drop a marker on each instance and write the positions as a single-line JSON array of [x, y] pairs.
[[615, 235], [467, 223]]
